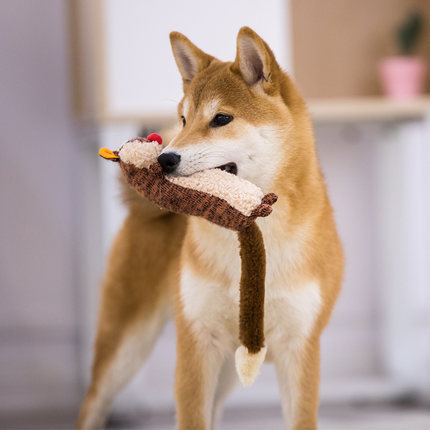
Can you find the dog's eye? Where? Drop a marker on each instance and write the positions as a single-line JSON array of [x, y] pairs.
[[220, 119], [183, 120]]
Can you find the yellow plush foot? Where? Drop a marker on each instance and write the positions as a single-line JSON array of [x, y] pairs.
[[108, 154]]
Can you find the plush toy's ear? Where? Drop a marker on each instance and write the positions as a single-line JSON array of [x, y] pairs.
[[255, 61], [189, 59]]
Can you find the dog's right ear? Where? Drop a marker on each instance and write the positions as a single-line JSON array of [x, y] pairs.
[[255, 62], [189, 59]]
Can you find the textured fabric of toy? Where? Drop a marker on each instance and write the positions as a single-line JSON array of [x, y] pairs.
[[169, 195], [218, 196]]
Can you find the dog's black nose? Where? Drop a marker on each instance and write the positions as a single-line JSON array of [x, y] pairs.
[[169, 161]]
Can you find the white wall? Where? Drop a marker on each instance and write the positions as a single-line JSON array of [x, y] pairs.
[[141, 77]]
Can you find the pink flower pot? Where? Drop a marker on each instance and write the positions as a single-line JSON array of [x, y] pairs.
[[402, 77]]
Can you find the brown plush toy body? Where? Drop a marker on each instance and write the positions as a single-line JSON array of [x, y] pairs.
[[226, 200]]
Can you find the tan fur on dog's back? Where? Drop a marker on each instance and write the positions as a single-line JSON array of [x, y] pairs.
[[159, 259]]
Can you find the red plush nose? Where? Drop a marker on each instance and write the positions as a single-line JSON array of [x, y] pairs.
[[154, 137]]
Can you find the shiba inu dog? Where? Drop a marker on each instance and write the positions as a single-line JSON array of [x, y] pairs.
[[245, 117]]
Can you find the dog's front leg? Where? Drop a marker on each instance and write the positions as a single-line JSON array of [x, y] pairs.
[[206, 325], [198, 367], [297, 368]]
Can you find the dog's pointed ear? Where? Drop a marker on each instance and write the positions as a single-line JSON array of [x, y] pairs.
[[189, 59], [255, 61]]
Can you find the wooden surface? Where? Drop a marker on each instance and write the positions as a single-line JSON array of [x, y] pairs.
[[368, 109], [338, 43], [329, 109]]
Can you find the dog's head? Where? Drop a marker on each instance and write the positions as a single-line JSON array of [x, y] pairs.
[[234, 116]]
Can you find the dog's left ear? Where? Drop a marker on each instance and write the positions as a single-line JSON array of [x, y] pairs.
[[255, 61], [189, 59]]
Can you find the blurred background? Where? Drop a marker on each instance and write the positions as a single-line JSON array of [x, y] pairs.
[[78, 75]]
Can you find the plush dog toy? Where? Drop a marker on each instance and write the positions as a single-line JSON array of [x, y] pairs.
[[221, 198]]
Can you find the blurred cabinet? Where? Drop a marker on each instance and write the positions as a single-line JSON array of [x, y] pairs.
[[376, 157], [403, 213]]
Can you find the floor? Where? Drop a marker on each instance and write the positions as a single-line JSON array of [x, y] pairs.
[[339, 417]]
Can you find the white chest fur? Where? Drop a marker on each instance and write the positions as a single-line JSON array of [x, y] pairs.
[[213, 309]]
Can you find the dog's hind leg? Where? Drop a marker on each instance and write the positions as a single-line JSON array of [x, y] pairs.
[[116, 361], [137, 300]]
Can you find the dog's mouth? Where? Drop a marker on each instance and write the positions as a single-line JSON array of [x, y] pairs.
[[229, 167]]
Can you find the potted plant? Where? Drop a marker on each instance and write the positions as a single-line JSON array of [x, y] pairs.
[[403, 76]]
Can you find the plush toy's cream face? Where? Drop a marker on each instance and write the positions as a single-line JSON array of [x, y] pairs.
[[231, 117], [140, 153]]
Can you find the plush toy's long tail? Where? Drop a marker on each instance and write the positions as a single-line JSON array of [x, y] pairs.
[[250, 355]]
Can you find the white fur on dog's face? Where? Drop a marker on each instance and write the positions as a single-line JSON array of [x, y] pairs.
[[255, 153]]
